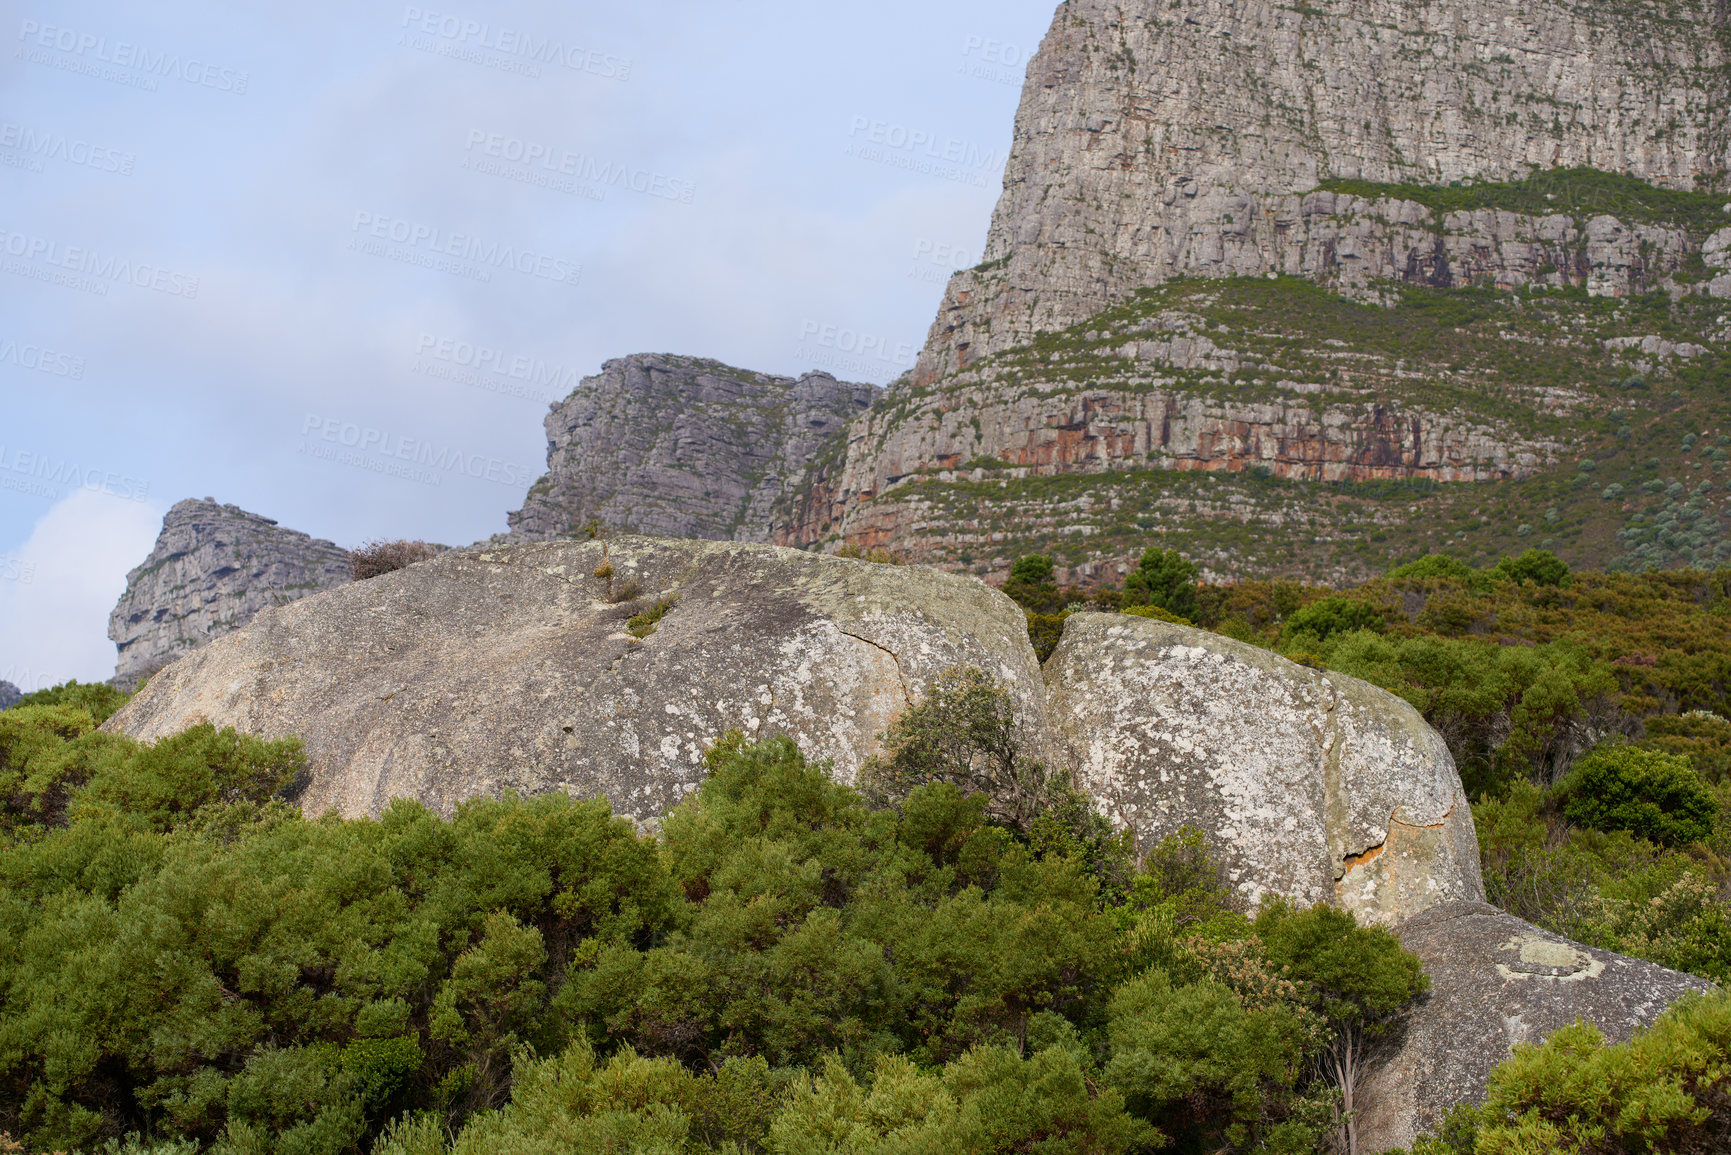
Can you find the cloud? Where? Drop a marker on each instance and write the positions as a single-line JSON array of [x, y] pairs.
[[57, 590]]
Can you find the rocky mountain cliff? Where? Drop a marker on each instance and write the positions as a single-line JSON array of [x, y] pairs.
[[213, 567], [682, 447], [1156, 139], [1288, 286]]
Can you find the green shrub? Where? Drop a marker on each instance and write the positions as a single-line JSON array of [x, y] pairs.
[[1165, 579], [1322, 620], [1537, 566], [1664, 1090], [1034, 570], [1157, 613], [1045, 631], [98, 699], [1433, 567], [1651, 795]]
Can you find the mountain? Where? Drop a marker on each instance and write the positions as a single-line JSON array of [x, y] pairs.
[[683, 447], [1306, 289], [213, 568]]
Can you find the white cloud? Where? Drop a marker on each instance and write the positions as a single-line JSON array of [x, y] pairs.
[[57, 590]]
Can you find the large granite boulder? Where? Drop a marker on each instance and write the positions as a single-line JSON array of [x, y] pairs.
[[1316, 786], [1497, 981], [214, 566], [9, 695], [512, 669]]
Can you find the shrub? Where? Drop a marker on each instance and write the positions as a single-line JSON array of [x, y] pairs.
[[1651, 795], [1663, 1090], [964, 732], [100, 700], [875, 556], [1045, 631], [643, 624], [1034, 570], [1432, 567], [1165, 579], [377, 558], [1331, 616], [1156, 613], [1537, 566]]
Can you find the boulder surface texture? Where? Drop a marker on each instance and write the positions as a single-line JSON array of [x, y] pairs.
[[1497, 981], [214, 566], [514, 669], [1317, 787]]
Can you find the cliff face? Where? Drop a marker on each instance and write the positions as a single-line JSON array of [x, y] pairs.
[[681, 447], [213, 568], [1305, 289], [1156, 139]]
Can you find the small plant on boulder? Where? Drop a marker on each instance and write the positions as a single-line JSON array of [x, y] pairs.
[[377, 558]]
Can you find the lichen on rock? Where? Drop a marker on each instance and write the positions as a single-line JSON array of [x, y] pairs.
[[512, 668], [1314, 786]]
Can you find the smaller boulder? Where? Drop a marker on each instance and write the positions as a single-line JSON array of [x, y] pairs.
[[1496, 981], [1313, 786], [9, 695]]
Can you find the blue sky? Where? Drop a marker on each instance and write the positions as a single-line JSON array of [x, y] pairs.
[[228, 230]]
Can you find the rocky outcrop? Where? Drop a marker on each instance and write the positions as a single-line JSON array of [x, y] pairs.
[[682, 447], [1496, 981], [513, 669], [213, 568], [1317, 787], [1155, 140], [9, 695]]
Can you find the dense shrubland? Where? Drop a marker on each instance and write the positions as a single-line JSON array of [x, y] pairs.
[[785, 968]]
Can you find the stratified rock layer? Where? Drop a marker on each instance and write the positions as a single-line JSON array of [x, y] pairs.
[[682, 447], [511, 669], [1497, 981], [9, 695], [1317, 787], [1157, 139], [213, 568]]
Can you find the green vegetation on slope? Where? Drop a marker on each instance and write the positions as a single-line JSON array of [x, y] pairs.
[[785, 969]]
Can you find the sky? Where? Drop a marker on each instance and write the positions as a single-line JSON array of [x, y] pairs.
[[232, 233]]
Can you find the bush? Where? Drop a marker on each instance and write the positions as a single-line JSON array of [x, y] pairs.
[[1045, 631], [1034, 570], [1165, 579], [377, 558], [1330, 616], [100, 700], [1664, 1090], [1537, 566], [1157, 613], [1433, 567], [1651, 795]]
